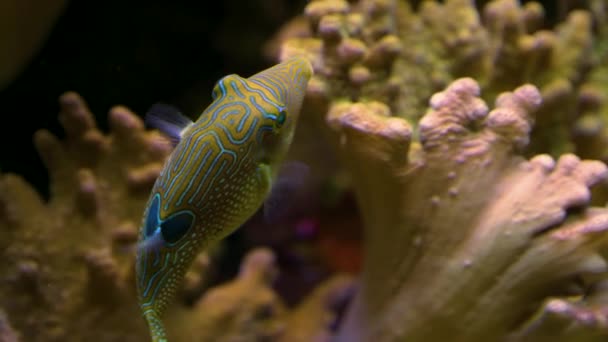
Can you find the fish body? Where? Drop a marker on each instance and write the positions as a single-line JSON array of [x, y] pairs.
[[219, 174]]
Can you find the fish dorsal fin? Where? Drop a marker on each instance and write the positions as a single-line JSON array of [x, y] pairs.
[[285, 189], [169, 120]]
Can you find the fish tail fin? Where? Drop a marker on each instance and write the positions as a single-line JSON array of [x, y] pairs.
[[157, 329]]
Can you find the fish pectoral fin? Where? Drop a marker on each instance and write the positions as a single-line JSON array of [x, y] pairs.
[[264, 177], [283, 196], [169, 120]]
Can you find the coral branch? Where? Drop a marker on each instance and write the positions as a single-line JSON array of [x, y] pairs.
[[315, 319], [462, 234]]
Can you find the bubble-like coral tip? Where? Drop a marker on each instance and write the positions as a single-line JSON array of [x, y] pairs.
[[123, 121], [544, 161], [351, 50], [259, 263], [125, 233], [143, 177], [315, 10], [88, 192], [74, 115], [462, 88], [359, 75], [330, 27]]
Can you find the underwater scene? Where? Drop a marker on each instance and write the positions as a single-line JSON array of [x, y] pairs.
[[306, 171]]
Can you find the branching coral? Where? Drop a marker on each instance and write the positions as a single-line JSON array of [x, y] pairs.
[[466, 239], [590, 131], [67, 264], [477, 225], [387, 51]]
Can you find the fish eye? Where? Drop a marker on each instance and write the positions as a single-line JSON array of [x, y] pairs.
[[281, 118], [176, 226], [152, 218]]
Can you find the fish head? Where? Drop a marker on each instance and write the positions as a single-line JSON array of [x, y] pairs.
[[268, 103]]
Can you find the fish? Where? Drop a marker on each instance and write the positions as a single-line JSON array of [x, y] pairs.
[[220, 172]]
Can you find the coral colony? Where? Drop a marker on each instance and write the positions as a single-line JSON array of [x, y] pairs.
[[473, 140]]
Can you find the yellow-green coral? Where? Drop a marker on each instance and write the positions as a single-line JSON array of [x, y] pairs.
[[388, 51], [68, 264]]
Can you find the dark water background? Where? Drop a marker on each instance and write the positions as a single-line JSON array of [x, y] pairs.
[[133, 53]]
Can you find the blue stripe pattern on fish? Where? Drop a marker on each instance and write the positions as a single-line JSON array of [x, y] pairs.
[[220, 172]]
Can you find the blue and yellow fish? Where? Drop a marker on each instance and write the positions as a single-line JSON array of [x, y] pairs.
[[220, 172]]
